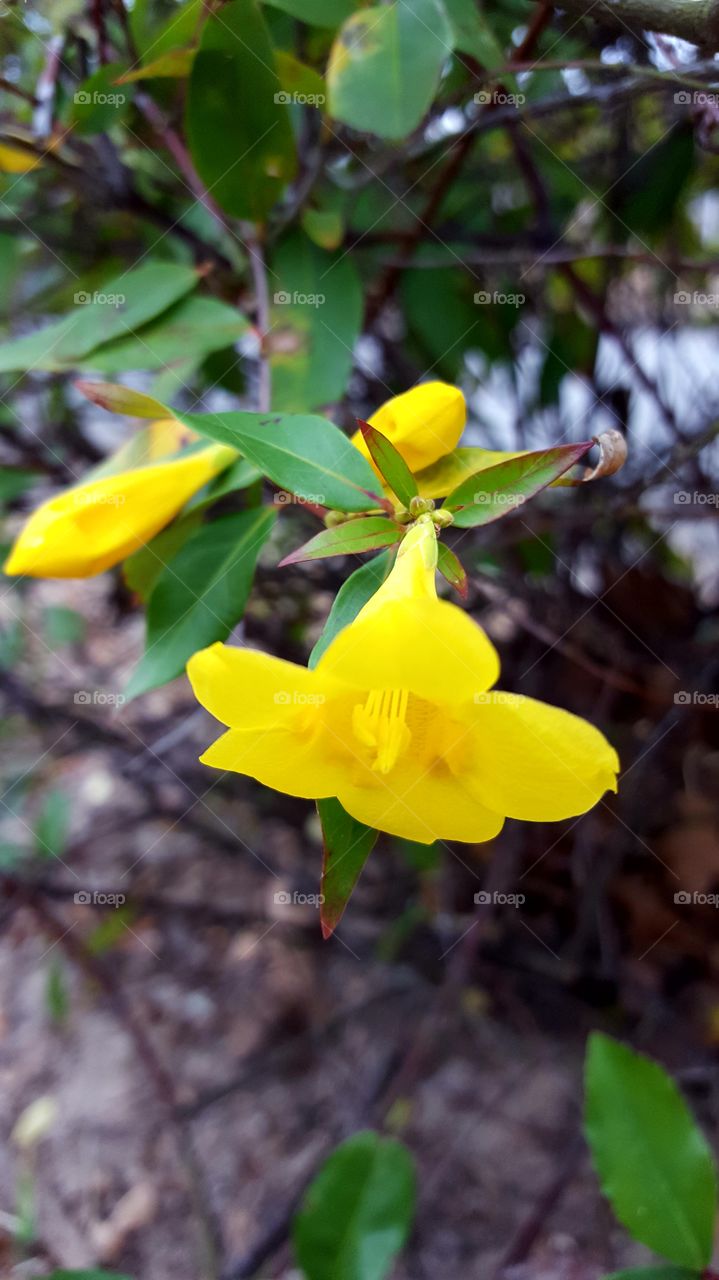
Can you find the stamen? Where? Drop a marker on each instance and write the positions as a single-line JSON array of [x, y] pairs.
[[380, 725]]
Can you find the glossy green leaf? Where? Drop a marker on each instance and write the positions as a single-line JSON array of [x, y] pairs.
[[122, 305], [367, 533], [306, 455], [357, 1213], [200, 595], [385, 66], [319, 13], [238, 126], [316, 320], [451, 568], [99, 105], [499, 490], [347, 846], [389, 463], [651, 1158], [351, 597]]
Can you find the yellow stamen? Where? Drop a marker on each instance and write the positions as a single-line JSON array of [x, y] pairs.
[[381, 725]]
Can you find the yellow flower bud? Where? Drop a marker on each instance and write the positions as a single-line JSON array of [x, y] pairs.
[[89, 528], [423, 424]]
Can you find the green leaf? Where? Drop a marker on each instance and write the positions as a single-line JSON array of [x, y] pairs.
[[238, 126], [122, 305], [499, 490], [319, 13], [304, 454], [201, 595], [98, 104], [357, 1213], [324, 227], [389, 463], [655, 1273], [62, 626], [297, 77], [347, 846], [351, 597], [52, 825], [175, 64], [451, 568], [652, 1160], [472, 33], [119, 399], [385, 66], [195, 325], [367, 533], [142, 570], [155, 37], [316, 320], [14, 481], [448, 473]]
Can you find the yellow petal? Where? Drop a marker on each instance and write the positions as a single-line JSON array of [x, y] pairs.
[[429, 647], [298, 764], [422, 806], [86, 530], [534, 761], [423, 424], [252, 690]]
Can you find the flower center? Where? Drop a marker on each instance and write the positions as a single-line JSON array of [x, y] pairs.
[[381, 725]]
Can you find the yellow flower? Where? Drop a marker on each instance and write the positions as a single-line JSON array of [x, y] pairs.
[[423, 424], [396, 720], [85, 530]]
